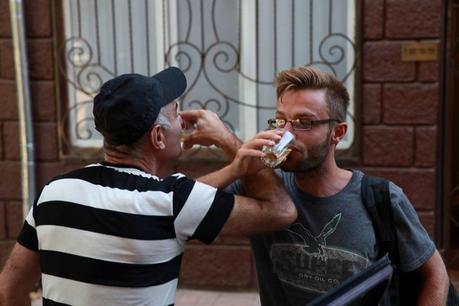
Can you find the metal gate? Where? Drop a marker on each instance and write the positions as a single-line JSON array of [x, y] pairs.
[[230, 52]]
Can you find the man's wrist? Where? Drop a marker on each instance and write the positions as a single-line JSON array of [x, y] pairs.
[[235, 175], [230, 144]]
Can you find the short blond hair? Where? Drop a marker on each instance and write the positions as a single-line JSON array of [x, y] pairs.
[[310, 77]]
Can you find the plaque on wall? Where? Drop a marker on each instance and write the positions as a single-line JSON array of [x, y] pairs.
[[422, 52]]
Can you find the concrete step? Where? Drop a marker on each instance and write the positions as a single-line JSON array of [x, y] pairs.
[[191, 297]]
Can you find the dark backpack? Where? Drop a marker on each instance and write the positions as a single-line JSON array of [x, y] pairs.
[[365, 288], [405, 286]]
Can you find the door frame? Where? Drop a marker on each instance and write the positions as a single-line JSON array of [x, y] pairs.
[[448, 131]]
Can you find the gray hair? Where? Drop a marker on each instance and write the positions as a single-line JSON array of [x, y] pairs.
[[163, 118]]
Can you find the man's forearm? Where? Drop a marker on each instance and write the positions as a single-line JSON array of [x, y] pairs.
[[19, 274], [435, 282], [265, 185], [229, 143], [220, 178], [434, 291]]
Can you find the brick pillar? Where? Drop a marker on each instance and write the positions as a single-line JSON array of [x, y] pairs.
[[41, 72], [400, 99]]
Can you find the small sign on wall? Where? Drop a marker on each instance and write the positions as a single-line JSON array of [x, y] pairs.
[[419, 52]]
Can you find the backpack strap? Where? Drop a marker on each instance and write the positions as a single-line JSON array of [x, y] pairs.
[[376, 198]]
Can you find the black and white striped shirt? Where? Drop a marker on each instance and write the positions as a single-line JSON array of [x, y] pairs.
[[111, 235]]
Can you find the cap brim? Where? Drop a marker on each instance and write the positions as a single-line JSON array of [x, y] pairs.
[[173, 82]]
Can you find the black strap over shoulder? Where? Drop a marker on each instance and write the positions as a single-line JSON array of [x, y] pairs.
[[376, 198]]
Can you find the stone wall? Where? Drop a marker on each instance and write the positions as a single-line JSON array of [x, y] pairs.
[[401, 99]]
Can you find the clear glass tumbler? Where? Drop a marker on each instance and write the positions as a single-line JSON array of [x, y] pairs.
[[277, 154]]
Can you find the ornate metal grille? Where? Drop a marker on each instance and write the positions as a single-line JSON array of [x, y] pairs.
[[230, 52]]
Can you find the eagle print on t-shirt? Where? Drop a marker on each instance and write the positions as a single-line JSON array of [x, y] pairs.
[[309, 263]]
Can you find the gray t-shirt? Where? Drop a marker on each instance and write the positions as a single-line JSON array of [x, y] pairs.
[[332, 239]]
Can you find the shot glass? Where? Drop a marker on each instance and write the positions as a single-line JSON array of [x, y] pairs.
[[187, 130], [277, 154]]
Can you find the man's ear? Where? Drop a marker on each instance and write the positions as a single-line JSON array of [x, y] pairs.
[[157, 138], [338, 133]]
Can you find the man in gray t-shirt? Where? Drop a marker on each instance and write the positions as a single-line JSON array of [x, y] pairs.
[[331, 240], [333, 237]]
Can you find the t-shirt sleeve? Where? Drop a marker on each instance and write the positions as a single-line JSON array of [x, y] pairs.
[[200, 210], [28, 235], [414, 244], [236, 187]]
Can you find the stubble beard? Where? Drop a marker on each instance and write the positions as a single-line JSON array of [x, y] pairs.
[[312, 161]]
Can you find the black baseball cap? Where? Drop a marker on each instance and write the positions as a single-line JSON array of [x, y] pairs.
[[127, 106]]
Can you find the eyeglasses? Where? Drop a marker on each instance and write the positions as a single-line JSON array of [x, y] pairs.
[[298, 124]]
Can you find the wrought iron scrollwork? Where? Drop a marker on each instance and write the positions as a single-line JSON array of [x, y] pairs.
[[86, 79], [183, 53], [82, 127], [211, 60], [333, 53]]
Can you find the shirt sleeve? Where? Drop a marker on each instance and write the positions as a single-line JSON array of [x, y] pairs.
[[414, 244], [28, 235], [200, 210], [236, 188]]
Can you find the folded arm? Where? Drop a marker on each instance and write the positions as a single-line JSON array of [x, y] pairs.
[[269, 210], [267, 206]]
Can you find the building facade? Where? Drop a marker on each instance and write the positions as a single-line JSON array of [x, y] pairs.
[[398, 58]]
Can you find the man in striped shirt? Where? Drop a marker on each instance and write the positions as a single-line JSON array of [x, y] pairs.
[[114, 233]]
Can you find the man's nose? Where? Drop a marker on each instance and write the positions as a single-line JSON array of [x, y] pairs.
[[289, 127]]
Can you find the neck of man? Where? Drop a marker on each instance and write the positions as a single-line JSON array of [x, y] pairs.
[[146, 162], [325, 181]]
